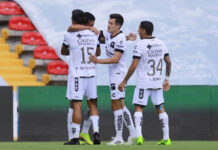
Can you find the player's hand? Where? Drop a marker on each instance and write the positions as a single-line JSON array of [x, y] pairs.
[[70, 29], [121, 86], [95, 30], [166, 85], [93, 59], [131, 37]]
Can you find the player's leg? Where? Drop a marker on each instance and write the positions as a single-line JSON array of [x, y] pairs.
[[127, 118], [69, 121], [94, 117], [85, 129], [158, 101], [75, 93], [77, 118], [118, 121], [140, 100], [91, 93]]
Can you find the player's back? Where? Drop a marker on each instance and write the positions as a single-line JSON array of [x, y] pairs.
[[150, 68], [81, 45]]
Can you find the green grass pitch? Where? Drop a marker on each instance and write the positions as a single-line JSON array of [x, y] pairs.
[[148, 145]]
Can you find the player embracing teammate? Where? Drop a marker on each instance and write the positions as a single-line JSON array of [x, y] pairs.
[[148, 58]]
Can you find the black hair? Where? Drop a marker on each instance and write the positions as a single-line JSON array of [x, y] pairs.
[[90, 16], [147, 26], [118, 19], [79, 16]]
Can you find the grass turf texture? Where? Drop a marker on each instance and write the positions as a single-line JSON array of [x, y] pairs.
[[149, 145]]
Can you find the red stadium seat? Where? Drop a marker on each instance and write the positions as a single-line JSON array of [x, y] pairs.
[[10, 8], [45, 52], [20, 23], [57, 67], [32, 38]]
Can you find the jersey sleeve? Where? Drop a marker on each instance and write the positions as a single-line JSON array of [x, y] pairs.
[[120, 45], [66, 40], [137, 52]]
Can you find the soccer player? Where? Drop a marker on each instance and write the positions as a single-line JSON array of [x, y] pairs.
[[87, 122], [115, 42], [81, 78], [148, 58]]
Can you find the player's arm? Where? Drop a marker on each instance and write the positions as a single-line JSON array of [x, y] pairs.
[[113, 60], [166, 84], [64, 50], [131, 70], [101, 37], [131, 37], [98, 51], [79, 27]]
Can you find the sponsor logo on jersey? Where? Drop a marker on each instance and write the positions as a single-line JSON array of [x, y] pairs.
[[79, 36], [154, 53], [149, 46]]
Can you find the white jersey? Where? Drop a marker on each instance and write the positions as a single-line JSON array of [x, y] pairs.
[[81, 44], [151, 53], [113, 44]]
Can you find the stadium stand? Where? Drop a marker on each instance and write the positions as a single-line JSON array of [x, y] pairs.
[[10, 8], [45, 52], [20, 23], [12, 68], [32, 38], [20, 39], [57, 67], [57, 73]]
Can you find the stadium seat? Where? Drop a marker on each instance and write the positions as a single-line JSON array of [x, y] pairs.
[[57, 67], [45, 52], [32, 38], [20, 23], [10, 8]]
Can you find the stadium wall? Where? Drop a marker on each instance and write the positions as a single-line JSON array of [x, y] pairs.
[[192, 110], [6, 113]]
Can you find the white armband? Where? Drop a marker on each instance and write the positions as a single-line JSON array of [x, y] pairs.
[[167, 78]]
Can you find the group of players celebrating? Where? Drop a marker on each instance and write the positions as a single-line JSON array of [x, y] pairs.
[[82, 45]]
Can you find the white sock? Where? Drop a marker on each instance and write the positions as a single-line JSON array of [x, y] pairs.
[[138, 123], [75, 130], [127, 117], [69, 123], [86, 125], [164, 122], [118, 121], [95, 123]]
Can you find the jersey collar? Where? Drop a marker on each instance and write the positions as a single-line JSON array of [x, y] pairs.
[[116, 34]]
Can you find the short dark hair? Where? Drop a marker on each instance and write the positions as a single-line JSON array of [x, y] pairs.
[[147, 26], [79, 16], [90, 16], [118, 19]]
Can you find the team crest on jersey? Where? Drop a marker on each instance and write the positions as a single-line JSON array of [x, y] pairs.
[[149, 46], [112, 44], [79, 36]]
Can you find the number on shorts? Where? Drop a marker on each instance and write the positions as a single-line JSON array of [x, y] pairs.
[[141, 93], [76, 84]]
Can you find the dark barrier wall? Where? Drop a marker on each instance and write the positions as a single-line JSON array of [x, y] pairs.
[[192, 110], [6, 113]]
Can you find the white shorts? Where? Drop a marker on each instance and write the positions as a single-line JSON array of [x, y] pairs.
[[77, 88], [141, 96], [115, 80]]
